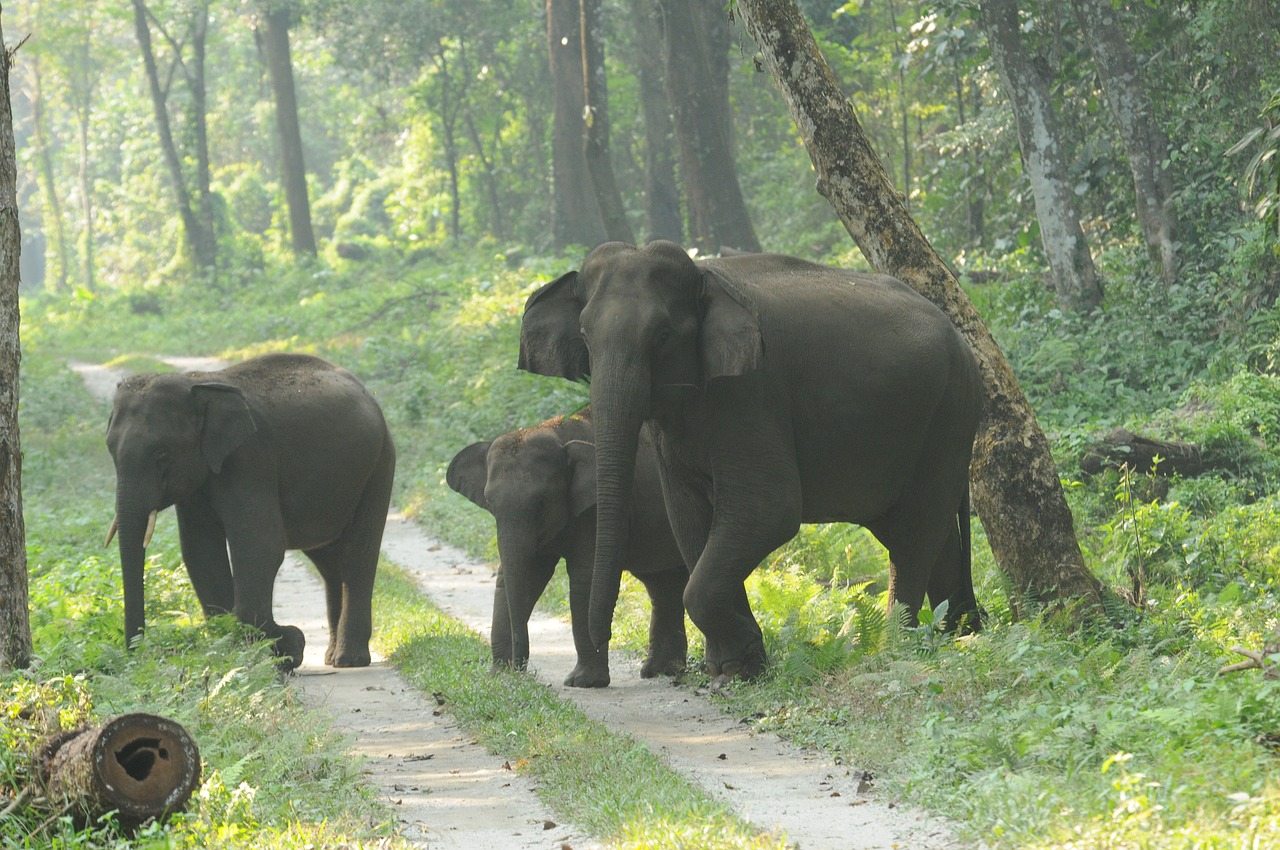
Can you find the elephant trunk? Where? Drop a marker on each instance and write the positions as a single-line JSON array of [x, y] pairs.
[[619, 407], [134, 522]]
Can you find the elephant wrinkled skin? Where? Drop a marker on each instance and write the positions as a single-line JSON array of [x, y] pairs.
[[780, 392], [540, 485], [284, 451]]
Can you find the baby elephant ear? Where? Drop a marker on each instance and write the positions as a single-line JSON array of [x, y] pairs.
[[582, 480], [730, 341], [227, 421], [551, 333], [469, 471]]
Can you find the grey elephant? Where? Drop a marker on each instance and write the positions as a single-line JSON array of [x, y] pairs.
[[284, 451], [540, 485], [780, 392]]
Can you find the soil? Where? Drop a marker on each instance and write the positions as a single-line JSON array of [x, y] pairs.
[[448, 791]]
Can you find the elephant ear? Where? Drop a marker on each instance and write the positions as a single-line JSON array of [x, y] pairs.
[[227, 421], [730, 341], [582, 481], [469, 471], [551, 334]]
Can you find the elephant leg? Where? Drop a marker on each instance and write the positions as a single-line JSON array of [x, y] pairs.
[[668, 644], [204, 551], [952, 580], [915, 540], [349, 565], [256, 559]]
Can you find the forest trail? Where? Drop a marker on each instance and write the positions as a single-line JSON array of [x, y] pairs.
[[450, 792]]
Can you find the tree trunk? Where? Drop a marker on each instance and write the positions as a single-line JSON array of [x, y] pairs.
[[15, 627], [1015, 484], [200, 242], [1026, 84], [575, 213], [275, 39], [595, 137], [138, 765], [1145, 144], [695, 39], [662, 217]]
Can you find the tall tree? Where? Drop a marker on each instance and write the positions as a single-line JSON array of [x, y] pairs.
[[1043, 159], [595, 140], [576, 218], [1146, 146], [54, 225], [273, 28], [15, 627], [195, 203], [662, 219], [1016, 489], [695, 42]]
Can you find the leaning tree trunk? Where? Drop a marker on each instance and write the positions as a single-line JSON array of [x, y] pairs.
[[1145, 145], [1074, 277], [15, 627], [1015, 484]]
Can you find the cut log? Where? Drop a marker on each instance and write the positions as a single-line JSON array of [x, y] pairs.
[[1123, 448], [139, 765]]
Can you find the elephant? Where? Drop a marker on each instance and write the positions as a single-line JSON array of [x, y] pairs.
[[540, 485], [282, 451], [780, 392]]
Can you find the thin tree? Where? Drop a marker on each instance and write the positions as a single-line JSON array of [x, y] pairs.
[[575, 213], [1016, 489], [1146, 146], [662, 218], [273, 28], [695, 43], [196, 213], [1026, 83], [595, 138], [53, 222], [15, 627]]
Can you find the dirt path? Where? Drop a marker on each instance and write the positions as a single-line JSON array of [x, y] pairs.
[[449, 792]]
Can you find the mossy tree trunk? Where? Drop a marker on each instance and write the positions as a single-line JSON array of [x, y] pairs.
[[1015, 484]]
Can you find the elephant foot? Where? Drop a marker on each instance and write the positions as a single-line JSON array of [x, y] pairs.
[[748, 665], [339, 655], [587, 676], [670, 665], [289, 647], [504, 664]]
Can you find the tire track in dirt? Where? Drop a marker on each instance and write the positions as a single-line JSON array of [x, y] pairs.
[[450, 792]]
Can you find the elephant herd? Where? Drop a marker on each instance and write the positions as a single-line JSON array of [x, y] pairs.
[[732, 399]]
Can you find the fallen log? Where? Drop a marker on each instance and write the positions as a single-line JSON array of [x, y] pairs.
[[139, 765], [1123, 448]]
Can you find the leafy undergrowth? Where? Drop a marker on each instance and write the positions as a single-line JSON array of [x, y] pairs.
[[1029, 735]]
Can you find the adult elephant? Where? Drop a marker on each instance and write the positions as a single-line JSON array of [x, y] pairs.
[[780, 392], [540, 485], [284, 451]]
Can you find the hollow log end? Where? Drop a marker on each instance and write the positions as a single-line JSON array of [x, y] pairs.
[[148, 765]]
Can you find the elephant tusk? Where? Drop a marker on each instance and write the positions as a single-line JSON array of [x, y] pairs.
[[111, 532], [151, 527]]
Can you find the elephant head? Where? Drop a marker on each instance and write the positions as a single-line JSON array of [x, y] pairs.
[[535, 485], [650, 328], [167, 435]]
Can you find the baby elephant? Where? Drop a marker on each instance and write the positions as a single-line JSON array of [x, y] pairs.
[[540, 485], [279, 452]]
